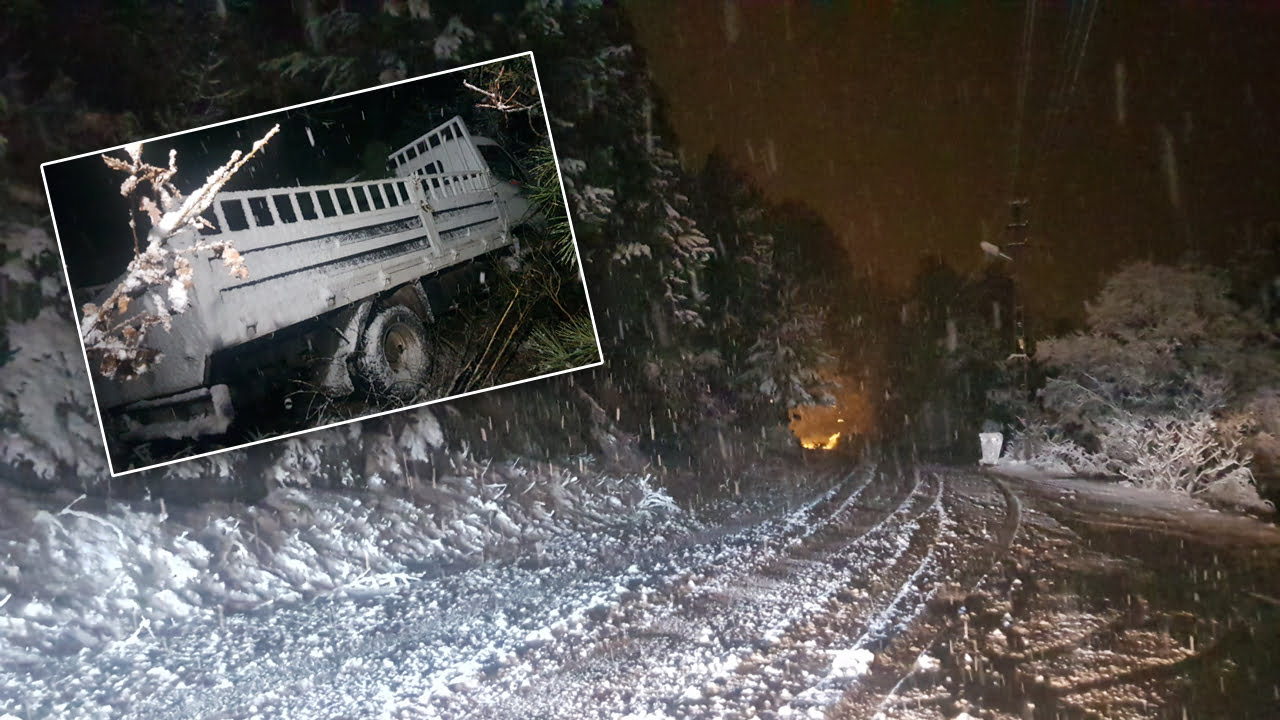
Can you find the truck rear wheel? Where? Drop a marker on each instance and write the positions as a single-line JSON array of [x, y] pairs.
[[393, 354]]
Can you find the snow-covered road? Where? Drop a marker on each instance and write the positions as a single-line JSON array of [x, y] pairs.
[[670, 617], [851, 603]]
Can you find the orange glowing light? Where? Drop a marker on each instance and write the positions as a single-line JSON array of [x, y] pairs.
[[827, 444]]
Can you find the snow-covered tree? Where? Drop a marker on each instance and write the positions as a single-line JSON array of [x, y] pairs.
[[1160, 339], [947, 358], [782, 365], [1153, 391]]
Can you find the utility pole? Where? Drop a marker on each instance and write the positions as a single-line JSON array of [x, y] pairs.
[[1017, 230]]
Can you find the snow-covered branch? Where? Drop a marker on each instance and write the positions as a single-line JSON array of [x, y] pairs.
[[158, 278]]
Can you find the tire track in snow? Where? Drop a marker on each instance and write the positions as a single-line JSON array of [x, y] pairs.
[[642, 657], [848, 549], [728, 555], [454, 667], [515, 641], [900, 662], [710, 550], [809, 669], [457, 662]]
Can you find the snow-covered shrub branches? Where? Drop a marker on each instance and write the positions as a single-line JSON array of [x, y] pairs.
[[157, 280], [1156, 389], [1051, 450], [1193, 453], [593, 204]]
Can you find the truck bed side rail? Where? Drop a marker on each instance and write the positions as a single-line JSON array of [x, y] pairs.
[[312, 249], [447, 147], [258, 218]]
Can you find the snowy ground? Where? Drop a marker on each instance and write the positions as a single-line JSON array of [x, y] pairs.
[[917, 593]]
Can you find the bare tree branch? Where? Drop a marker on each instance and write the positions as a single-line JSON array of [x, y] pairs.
[[496, 99]]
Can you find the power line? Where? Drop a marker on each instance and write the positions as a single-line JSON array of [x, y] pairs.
[[1024, 81], [1084, 46], [1065, 61], [1075, 48]]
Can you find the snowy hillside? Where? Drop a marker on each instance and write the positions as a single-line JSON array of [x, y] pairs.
[[49, 426]]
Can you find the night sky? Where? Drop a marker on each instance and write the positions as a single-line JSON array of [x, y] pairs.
[[897, 121]]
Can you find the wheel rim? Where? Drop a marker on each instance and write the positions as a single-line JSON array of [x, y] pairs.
[[399, 346]]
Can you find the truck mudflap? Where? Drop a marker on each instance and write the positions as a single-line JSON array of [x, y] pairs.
[[203, 411]]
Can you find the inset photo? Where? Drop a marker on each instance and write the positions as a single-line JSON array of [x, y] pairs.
[[323, 263]]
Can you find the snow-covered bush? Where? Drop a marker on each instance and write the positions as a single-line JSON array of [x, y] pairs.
[[1190, 454], [1149, 392], [1158, 335], [450, 40], [1050, 450]]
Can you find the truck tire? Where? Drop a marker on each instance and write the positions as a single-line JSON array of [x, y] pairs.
[[393, 352]]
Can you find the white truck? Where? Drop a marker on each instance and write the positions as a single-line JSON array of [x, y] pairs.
[[336, 272]]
